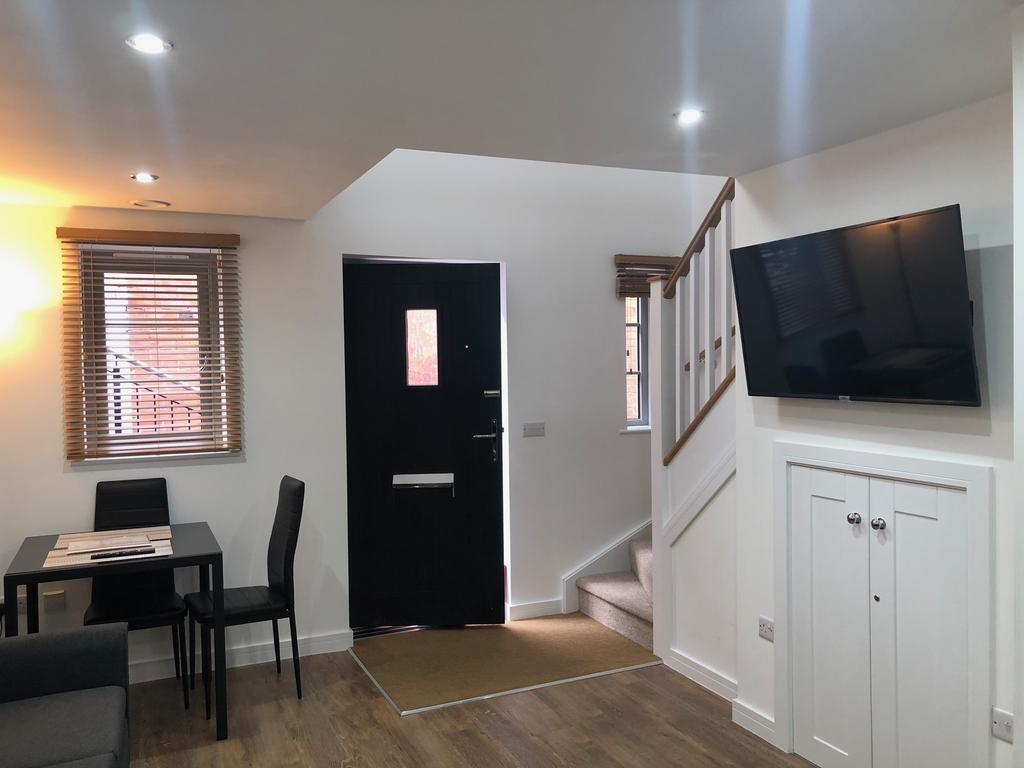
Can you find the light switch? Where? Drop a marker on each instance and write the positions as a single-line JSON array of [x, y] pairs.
[[533, 429]]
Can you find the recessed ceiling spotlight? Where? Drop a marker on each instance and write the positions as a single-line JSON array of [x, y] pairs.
[[689, 116], [144, 177], [151, 204], [147, 42]]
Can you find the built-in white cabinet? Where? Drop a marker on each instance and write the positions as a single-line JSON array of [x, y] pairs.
[[879, 621]]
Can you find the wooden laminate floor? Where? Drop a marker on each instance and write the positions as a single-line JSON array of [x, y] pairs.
[[648, 717]]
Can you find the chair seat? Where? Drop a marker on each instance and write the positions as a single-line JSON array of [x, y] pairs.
[[242, 605], [138, 610]]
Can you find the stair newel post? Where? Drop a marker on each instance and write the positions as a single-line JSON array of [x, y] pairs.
[[666, 371], [661, 381]]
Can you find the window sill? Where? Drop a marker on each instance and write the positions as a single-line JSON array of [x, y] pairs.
[[643, 429], [212, 456]]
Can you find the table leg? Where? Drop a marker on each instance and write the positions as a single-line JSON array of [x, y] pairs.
[[10, 607], [204, 578], [32, 608], [220, 671]]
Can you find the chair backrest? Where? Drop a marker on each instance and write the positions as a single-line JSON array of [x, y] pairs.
[[131, 504], [285, 536]]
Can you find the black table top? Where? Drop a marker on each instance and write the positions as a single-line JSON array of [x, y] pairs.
[[192, 544]]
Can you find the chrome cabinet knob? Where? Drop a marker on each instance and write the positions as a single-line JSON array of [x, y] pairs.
[[878, 524], [853, 518]]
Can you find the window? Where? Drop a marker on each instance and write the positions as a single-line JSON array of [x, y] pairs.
[[152, 347], [421, 347], [636, 362]]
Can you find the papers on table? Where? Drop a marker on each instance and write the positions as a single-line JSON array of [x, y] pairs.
[[80, 548]]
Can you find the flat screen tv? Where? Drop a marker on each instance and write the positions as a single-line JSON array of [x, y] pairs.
[[877, 311]]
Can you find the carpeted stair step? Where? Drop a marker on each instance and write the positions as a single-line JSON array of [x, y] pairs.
[[641, 559], [620, 602]]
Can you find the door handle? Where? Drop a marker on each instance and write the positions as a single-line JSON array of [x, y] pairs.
[[853, 518], [493, 437], [878, 524]]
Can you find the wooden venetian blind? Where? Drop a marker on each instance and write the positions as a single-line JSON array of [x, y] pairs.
[[633, 274], [152, 343]]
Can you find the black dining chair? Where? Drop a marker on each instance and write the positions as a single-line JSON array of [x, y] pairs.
[[142, 600], [248, 605]]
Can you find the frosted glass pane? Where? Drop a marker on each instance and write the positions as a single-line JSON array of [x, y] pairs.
[[421, 347]]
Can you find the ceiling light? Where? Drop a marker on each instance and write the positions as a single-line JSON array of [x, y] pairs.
[[689, 116], [144, 177], [151, 204], [146, 42]]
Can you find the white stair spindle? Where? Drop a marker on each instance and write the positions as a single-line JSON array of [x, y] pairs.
[[728, 299], [708, 313], [693, 338], [680, 357]]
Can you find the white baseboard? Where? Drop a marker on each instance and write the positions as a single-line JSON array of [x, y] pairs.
[[754, 720], [701, 674], [614, 557], [521, 611], [144, 670]]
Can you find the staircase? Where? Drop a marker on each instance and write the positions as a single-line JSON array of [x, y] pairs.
[[692, 351], [623, 600]]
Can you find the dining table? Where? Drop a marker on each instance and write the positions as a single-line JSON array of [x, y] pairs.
[[193, 545]]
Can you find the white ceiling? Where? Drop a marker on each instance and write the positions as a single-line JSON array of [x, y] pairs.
[[271, 107]]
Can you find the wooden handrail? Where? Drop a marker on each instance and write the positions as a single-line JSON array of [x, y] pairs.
[[701, 415], [700, 238]]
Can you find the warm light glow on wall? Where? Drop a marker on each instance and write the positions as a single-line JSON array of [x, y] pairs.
[[29, 274], [17, 192]]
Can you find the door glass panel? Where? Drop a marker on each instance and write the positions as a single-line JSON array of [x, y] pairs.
[[421, 347]]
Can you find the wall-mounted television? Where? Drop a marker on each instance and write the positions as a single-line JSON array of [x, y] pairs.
[[878, 311]]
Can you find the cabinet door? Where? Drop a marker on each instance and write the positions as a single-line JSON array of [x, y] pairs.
[[831, 617], [919, 626]]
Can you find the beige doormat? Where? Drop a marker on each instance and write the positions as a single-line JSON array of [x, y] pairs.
[[433, 668]]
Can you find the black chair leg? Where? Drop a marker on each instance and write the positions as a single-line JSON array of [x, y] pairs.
[[205, 631], [192, 652], [277, 645], [177, 652], [295, 653], [180, 630]]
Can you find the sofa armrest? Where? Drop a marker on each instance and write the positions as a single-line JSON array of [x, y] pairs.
[[38, 665]]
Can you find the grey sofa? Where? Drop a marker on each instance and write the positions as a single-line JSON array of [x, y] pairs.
[[64, 699]]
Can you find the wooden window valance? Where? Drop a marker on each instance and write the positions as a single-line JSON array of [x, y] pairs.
[[633, 274]]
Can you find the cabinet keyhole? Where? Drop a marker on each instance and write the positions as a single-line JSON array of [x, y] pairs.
[[878, 599]]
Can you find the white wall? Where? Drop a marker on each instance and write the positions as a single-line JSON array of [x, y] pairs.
[[1018, 341], [704, 586], [959, 157], [292, 325], [556, 227]]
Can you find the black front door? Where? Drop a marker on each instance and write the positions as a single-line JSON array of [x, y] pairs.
[[423, 403]]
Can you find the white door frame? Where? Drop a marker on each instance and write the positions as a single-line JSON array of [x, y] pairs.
[[977, 481]]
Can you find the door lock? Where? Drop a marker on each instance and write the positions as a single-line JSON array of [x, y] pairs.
[[493, 436], [878, 524]]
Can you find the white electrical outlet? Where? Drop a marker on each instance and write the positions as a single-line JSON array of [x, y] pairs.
[[1002, 725], [766, 628]]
